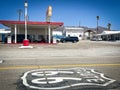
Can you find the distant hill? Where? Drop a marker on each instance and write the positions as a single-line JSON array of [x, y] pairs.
[[100, 29]]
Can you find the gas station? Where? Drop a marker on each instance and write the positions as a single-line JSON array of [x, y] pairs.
[[38, 31], [31, 31]]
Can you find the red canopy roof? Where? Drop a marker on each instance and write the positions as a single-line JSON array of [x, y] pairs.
[[30, 24], [6, 22]]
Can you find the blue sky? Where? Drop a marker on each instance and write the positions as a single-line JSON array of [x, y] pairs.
[[71, 12]]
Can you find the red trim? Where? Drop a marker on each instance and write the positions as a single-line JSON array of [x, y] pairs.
[[30, 22], [34, 43]]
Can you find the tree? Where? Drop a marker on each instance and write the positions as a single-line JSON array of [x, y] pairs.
[[19, 14], [97, 17], [109, 26]]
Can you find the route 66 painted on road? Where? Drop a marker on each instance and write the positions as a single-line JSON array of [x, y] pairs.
[[59, 79]]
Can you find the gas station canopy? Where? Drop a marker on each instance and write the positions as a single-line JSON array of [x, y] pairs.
[[37, 30], [31, 24]]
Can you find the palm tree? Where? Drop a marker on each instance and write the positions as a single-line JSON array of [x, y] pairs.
[[109, 26], [19, 14], [97, 17]]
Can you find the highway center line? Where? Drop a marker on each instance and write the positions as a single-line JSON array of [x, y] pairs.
[[54, 66]]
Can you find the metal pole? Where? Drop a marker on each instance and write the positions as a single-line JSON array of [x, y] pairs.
[[15, 33], [49, 32], [26, 5], [97, 26]]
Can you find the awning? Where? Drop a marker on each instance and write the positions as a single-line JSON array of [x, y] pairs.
[[108, 33], [4, 31]]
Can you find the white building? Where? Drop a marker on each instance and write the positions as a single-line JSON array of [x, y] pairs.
[[58, 31], [110, 35], [74, 31], [82, 33]]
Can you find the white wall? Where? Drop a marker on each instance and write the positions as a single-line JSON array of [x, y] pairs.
[[77, 34], [57, 33]]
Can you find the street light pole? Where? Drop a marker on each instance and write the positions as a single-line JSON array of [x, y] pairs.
[[26, 6], [26, 41]]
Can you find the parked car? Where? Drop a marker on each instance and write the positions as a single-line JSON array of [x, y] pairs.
[[69, 39], [58, 37], [96, 39]]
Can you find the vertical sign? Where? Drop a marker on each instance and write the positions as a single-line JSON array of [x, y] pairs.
[[48, 13]]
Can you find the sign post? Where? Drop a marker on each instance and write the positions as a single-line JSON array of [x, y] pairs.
[[48, 16]]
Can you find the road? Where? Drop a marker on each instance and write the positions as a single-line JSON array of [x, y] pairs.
[[103, 57]]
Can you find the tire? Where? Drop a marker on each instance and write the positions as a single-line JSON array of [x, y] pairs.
[[63, 41], [74, 41], [58, 41]]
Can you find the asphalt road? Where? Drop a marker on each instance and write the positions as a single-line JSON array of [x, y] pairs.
[[103, 57]]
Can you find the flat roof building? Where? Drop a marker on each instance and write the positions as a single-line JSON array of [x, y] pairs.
[[109, 35]]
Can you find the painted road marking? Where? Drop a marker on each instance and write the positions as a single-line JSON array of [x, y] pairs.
[[55, 66], [64, 78]]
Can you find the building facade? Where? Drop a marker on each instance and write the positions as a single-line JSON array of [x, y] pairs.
[[82, 33], [109, 35]]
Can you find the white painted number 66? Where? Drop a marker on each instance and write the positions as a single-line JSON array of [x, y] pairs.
[[51, 80]]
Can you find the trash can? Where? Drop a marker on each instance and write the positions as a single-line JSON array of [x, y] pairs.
[[9, 39]]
